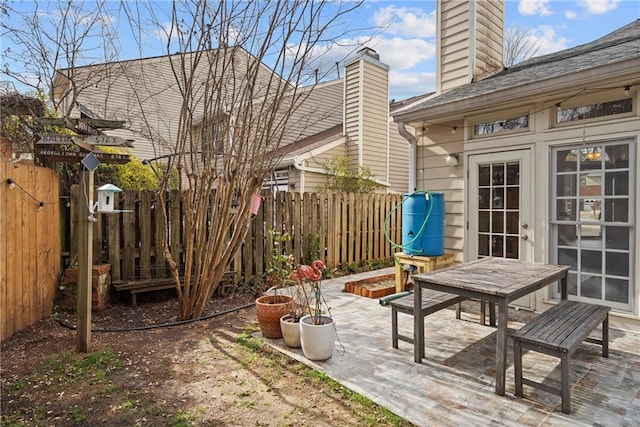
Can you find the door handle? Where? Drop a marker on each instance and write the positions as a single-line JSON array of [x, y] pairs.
[[524, 237]]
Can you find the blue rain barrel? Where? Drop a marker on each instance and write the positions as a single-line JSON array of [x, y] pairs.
[[419, 238]]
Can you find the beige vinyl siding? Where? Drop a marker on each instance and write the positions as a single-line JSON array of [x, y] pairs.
[[375, 131], [398, 161], [322, 109], [313, 181], [453, 38], [470, 41], [352, 113], [434, 175], [489, 37]]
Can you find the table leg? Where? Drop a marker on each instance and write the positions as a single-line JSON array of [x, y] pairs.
[[501, 346], [418, 324], [564, 292]]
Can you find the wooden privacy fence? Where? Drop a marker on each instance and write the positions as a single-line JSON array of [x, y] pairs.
[[341, 229], [29, 244]]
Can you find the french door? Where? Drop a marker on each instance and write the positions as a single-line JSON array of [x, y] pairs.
[[500, 214]]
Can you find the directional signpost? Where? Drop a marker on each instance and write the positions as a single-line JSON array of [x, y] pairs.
[[107, 140]]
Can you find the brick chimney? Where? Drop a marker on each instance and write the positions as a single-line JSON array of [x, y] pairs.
[[470, 41]]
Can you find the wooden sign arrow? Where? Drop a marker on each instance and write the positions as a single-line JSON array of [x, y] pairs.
[[52, 138], [107, 140], [76, 156]]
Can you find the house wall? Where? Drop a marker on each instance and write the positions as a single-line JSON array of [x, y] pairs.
[[434, 175], [540, 138], [398, 160]]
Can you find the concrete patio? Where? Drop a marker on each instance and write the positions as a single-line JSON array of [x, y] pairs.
[[454, 384]]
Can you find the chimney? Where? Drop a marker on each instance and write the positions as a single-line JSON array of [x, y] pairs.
[[470, 41], [366, 112]]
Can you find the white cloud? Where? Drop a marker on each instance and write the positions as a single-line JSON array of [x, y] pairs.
[[534, 7], [546, 38], [402, 54], [570, 14], [406, 21], [598, 7], [406, 85]]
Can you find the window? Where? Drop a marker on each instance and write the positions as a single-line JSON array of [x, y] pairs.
[[592, 221], [599, 109], [496, 126]]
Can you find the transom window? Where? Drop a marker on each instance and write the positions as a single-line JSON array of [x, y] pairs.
[[502, 125], [599, 109]]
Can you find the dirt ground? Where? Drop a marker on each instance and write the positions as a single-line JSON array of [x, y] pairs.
[[210, 372]]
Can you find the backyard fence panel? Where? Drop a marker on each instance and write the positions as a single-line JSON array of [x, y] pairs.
[[113, 241], [30, 251], [145, 234], [160, 266], [129, 234]]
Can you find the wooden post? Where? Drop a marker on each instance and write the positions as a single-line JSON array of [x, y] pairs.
[[85, 261]]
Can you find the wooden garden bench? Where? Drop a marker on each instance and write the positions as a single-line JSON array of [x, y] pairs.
[[558, 332], [135, 287], [432, 301]]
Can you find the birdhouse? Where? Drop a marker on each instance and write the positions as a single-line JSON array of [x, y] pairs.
[[105, 197]]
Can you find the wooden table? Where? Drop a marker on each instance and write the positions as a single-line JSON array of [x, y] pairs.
[[497, 280]]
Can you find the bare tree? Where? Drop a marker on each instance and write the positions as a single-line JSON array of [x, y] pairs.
[[65, 35], [240, 72], [243, 71], [519, 46]]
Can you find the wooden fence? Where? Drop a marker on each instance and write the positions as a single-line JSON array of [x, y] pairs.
[[29, 244], [345, 230]]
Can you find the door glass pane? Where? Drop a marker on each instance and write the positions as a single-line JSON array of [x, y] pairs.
[[566, 185], [591, 261], [483, 245], [567, 235], [483, 222], [591, 286], [498, 213], [617, 264], [497, 174], [484, 198], [566, 210], [616, 183], [617, 238], [617, 290]]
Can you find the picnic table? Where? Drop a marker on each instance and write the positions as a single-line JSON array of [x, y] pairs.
[[497, 280]]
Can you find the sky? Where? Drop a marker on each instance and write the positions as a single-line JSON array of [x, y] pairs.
[[406, 33]]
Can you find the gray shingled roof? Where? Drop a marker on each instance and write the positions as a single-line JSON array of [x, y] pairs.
[[620, 45]]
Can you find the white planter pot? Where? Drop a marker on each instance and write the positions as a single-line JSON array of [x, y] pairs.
[[290, 331], [317, 341]]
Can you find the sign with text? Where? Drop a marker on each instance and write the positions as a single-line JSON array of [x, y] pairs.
[[52, 138], [76, 156]]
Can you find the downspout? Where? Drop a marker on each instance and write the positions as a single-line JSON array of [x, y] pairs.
[[412, 154]]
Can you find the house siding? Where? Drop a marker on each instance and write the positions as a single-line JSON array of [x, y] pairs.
[[470, 41]]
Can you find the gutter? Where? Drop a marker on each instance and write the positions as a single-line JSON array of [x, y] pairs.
[[411, 139]]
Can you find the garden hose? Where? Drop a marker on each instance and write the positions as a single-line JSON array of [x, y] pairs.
[[385, 226]]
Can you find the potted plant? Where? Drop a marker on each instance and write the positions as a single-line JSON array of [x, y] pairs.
[[271, 306], [317, 327]]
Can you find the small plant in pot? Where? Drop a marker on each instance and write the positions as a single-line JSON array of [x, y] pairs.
[[317, 327], [271, 306]]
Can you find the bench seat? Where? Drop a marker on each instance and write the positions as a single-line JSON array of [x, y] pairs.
[[432, 301], [135, 287], [558, 332]]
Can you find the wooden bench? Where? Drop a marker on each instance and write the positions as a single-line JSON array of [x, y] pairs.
[[558, 332], [432, 301], [135, 287]]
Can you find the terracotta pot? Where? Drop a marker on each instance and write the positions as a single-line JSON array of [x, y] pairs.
[[269, 311], [290, 331]]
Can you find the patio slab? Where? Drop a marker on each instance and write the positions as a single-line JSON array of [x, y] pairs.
[[454, 384]]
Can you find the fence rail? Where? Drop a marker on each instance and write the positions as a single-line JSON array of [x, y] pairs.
[[342, 229]]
